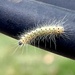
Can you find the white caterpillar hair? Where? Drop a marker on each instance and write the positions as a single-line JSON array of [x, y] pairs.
[[53, 30]]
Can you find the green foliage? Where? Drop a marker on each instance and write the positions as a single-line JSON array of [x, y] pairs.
[[33, 61]]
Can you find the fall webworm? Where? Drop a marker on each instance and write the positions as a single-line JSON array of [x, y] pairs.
[[53, 30]]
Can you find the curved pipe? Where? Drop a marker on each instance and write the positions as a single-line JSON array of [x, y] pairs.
[[19, 17]]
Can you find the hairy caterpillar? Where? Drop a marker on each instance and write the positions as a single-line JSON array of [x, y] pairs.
[[46, 30], [54, 29]]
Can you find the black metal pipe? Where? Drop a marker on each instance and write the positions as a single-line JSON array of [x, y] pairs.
[[19, 17]]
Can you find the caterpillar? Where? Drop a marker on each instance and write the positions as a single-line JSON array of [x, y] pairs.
[[46, 30], [53, 30]]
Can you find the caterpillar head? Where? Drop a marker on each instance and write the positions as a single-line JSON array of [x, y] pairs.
[[21, 41], [24, 40]]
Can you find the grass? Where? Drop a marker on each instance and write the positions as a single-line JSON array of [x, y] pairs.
[[33, 61]]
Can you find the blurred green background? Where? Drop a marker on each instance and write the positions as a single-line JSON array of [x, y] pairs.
[[29, 60]]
